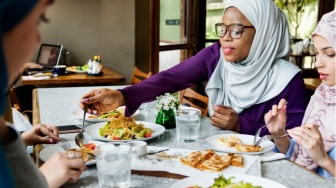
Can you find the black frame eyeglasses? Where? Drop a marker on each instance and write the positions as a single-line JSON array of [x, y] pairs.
[[236, 30]]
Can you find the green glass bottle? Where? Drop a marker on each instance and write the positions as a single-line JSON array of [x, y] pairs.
[[99, 60]]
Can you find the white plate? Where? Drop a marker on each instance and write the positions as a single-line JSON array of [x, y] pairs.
[[47, 152], [206, 180], [76, 71], [93, 130], [212, 142], [79, 114]]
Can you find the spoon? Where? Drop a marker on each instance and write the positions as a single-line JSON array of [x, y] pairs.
[[79, 139]]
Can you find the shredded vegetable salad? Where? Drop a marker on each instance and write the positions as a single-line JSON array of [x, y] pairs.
[[222, 182], [123, 128]]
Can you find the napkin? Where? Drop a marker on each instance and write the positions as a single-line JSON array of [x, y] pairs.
[[35, 77], [271, 156]]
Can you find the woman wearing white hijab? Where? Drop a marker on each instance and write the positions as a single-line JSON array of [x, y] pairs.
[[248, 72], [313, 144]]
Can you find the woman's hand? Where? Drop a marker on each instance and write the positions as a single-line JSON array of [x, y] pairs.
[[102, 100], [40, 134], [277, 119], [311, 139], [31, 65], [225, 117], [59, 169]]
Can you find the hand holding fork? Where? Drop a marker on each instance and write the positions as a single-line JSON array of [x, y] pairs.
[[256, 136]]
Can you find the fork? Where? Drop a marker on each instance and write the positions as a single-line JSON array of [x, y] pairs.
[[65, 144], [259, 130], [268, 137]]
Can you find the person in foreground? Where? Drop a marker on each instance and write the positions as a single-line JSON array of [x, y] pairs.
[[247, 72], [313, 144], [19, 39]]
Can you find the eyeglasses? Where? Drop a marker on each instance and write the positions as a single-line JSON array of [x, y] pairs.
[[235, 30]]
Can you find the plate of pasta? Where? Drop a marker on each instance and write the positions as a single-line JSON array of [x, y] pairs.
[[124, 129]]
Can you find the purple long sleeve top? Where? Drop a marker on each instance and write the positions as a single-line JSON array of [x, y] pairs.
[[199, 68]]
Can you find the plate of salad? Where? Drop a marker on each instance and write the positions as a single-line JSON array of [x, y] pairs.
[[226, 180], [103, 117], [116, 131], [78, 69]]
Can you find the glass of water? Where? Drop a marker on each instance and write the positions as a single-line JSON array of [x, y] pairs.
[[188, 122], [114, 164]]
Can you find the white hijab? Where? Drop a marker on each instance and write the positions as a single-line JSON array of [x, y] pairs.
[[265, 72]]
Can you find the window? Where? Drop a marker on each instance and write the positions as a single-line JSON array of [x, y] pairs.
[[301, 16]]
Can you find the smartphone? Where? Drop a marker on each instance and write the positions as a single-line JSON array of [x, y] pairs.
[[69, 128]]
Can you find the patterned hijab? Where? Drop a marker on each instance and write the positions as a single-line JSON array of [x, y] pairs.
[[321, 108], [11, 13], [266, 70]]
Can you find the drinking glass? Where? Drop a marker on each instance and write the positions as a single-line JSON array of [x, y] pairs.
[[188, 122], [114, 165]]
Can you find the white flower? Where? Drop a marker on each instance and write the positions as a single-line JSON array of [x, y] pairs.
[[167, 101]]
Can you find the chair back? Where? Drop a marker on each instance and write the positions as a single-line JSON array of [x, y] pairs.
[[195, 100], [21, 98], [139, 76]]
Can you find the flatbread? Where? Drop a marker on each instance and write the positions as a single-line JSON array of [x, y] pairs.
[[230, 141], [237, 161], [195, 158], [247, 148], [217, 162], [209, 160]]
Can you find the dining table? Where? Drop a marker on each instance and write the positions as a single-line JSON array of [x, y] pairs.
[[55, 106], [107, 76]]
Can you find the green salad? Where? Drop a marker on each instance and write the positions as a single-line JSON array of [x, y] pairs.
[[123, 128], [222, 182]]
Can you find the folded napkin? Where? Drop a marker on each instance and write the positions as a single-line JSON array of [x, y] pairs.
[[35, 78], [271, 156]]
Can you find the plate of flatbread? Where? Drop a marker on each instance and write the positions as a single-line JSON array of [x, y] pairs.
[[237, 143]]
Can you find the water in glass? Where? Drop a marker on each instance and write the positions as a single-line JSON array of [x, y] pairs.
[[187, 125], [114, 166]]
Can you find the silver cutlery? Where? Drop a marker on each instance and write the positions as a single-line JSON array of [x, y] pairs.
[[79, 139], [65, 144], [259, 130], [152, 153]]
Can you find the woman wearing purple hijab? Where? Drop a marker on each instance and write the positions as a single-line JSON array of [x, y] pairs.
[[247, 72], [313, 144]]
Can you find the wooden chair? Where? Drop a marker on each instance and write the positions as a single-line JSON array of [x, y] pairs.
[[21, 98], [195, 100], [139, 76]]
